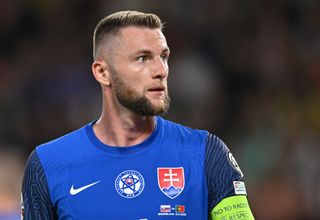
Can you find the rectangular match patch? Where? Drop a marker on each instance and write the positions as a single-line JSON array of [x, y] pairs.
[[239, 188]]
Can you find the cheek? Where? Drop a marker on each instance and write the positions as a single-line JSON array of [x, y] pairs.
[[135, 76], [136, 85], [131, 72]]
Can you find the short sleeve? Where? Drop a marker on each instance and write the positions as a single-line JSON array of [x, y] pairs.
[[222, 171], [36, 202]]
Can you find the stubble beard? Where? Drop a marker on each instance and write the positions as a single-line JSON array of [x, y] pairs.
[[139, 104]]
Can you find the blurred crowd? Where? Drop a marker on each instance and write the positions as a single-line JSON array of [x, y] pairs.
[[247, 71]]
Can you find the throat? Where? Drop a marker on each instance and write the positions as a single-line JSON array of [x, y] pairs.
[[123, 134]]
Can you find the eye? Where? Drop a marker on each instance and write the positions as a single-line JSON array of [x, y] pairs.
[[142, 58], [164, 57]]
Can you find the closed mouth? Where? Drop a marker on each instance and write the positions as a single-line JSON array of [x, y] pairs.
[[156, 89]]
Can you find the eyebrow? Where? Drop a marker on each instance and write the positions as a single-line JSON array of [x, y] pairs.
[[145, 51]]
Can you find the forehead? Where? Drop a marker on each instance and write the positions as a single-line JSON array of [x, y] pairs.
[[137, 38]]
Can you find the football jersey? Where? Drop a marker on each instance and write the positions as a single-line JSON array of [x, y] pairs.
[[176, 173]]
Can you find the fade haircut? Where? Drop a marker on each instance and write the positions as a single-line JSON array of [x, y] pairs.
[[111, 25]]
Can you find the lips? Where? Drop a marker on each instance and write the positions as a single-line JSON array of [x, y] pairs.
[[156, 89]]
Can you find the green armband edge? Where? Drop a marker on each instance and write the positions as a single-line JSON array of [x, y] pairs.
[[234, 207]]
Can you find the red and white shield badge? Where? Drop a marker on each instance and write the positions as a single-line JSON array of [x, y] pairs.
[[171, 181]]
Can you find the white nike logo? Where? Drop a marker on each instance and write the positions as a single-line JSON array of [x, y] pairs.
[[74, 191]]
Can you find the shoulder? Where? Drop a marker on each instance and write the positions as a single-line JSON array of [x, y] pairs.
[[64, 146], [218, 152], [214, 143], [183, 131]]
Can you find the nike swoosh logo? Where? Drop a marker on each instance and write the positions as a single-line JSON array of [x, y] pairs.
[[74, 191]]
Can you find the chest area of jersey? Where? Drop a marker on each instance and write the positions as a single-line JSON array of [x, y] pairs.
[[142, 189]]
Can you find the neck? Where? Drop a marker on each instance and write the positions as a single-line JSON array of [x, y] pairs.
[[123, 128]]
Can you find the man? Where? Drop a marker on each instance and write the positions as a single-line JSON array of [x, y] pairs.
[[131, 163]]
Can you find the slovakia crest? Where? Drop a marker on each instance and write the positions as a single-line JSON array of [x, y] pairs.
[[171, 181]]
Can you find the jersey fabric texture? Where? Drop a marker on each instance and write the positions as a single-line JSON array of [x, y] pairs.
[[176, 173]]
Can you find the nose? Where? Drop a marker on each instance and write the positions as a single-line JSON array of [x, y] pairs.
[[161, 69]]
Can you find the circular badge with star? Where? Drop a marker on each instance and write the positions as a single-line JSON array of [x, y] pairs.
[[129, 184]]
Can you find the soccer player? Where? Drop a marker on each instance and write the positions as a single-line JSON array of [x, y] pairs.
[[131, 163]]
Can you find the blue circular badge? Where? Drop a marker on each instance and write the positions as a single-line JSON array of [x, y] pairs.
[[129, 184]]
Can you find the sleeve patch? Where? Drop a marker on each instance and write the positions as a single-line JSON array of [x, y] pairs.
[[234, 163], [235, 207], [239, 188]]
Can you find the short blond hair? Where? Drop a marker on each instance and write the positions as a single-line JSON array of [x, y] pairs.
[[111, 24]]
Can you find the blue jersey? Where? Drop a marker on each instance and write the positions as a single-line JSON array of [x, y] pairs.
[[176, 173]]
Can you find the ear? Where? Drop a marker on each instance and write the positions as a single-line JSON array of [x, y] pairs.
[[101, 72]]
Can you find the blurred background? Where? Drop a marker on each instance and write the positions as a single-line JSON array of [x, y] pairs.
[[247, 71]]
